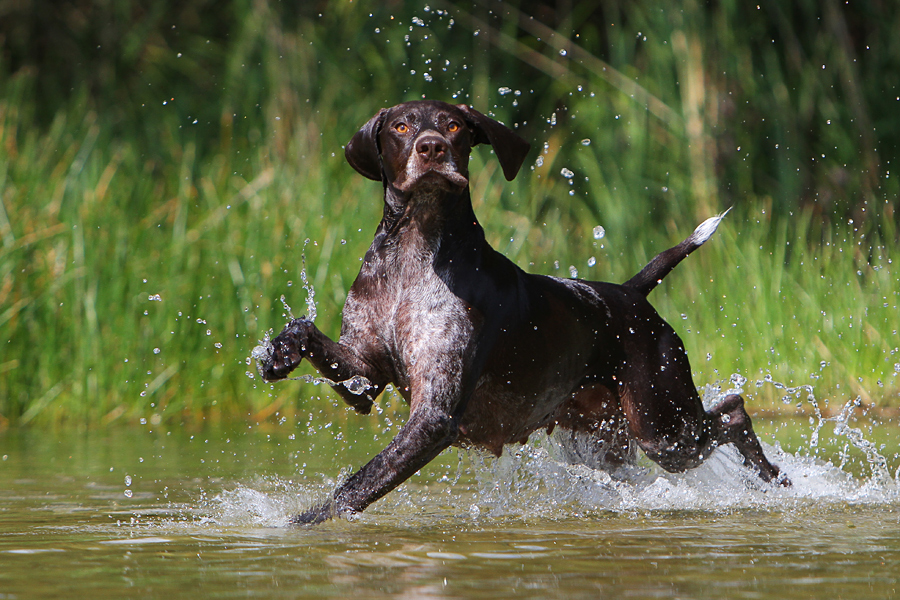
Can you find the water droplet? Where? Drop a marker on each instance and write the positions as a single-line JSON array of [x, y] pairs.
[[592, 261], [586, 142], [567, 173], [504, 91], [573, 272], [128, 480], [599, 232], [357, 385], [563, 52], [539, 162], [156, 351]]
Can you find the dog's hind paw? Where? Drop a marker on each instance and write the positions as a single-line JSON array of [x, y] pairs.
[[783, 480]]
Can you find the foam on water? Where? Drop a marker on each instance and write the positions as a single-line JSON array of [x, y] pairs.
[[263, 502]]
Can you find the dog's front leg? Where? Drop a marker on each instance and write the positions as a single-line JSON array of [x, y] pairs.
[[302, 339], [427, 433]]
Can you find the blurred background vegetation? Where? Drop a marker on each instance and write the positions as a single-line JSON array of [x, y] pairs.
[[163, 164]]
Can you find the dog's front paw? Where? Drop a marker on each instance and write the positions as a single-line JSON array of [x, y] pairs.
[[314, 516], [285, 353]]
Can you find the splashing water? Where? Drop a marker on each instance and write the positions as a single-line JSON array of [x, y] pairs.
[[262, 352], [540, 480], [310, 292], [356, 385], [288, 312]]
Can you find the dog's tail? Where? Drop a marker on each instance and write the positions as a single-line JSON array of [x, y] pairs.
[[665, 261]]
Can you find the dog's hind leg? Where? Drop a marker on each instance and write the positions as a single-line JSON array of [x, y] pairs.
[[665, 413], [592, 430], [731, 424]]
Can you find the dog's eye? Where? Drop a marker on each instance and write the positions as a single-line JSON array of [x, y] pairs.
[[453, 127], [401, 128]]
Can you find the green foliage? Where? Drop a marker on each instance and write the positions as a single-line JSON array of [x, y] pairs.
[[193, 162]]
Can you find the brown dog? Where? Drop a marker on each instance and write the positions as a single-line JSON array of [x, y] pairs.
[[483, 352]]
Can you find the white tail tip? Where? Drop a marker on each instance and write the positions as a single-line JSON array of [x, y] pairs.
[[706, 229]]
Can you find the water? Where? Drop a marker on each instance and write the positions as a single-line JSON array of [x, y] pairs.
[[148, 512]]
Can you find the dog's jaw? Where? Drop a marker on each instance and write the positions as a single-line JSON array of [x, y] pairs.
[[432, 179]]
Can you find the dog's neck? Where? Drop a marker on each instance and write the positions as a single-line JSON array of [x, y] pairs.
[[432, 212], [431, 219]]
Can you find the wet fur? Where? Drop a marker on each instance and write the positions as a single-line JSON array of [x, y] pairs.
[[485, 353]]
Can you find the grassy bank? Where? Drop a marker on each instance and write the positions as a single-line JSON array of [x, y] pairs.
[[144, 253], [128, 296]]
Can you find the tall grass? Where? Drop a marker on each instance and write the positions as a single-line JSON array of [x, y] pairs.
[[143, 256]]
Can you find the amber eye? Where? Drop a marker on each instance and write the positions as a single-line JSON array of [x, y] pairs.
[[401, 128], [453, 127]]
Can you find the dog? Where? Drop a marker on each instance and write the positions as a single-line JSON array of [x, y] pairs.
[[484, 353]]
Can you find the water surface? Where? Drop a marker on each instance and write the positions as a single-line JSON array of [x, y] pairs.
[[149, 513]]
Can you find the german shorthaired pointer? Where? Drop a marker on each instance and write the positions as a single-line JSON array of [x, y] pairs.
[[483, 352]]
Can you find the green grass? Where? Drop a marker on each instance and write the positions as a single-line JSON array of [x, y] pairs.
[[206, 202], [95, 236]]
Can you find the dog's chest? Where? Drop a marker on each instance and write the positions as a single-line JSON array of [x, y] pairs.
[[404, 307]]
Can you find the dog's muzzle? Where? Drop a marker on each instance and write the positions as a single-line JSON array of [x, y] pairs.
[[431, 155]]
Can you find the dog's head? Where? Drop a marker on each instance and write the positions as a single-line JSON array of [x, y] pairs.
[[427, 144]]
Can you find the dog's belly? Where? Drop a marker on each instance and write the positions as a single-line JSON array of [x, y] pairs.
[[498, 413], [540, 360]]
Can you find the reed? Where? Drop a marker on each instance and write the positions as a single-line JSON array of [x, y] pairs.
[[146, 244]]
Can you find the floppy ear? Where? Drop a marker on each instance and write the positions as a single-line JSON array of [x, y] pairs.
[[508, 146], [362, 152]]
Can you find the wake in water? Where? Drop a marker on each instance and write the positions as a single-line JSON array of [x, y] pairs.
[[539, 480]]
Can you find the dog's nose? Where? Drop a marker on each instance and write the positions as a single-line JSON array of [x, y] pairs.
[[431, 147]]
